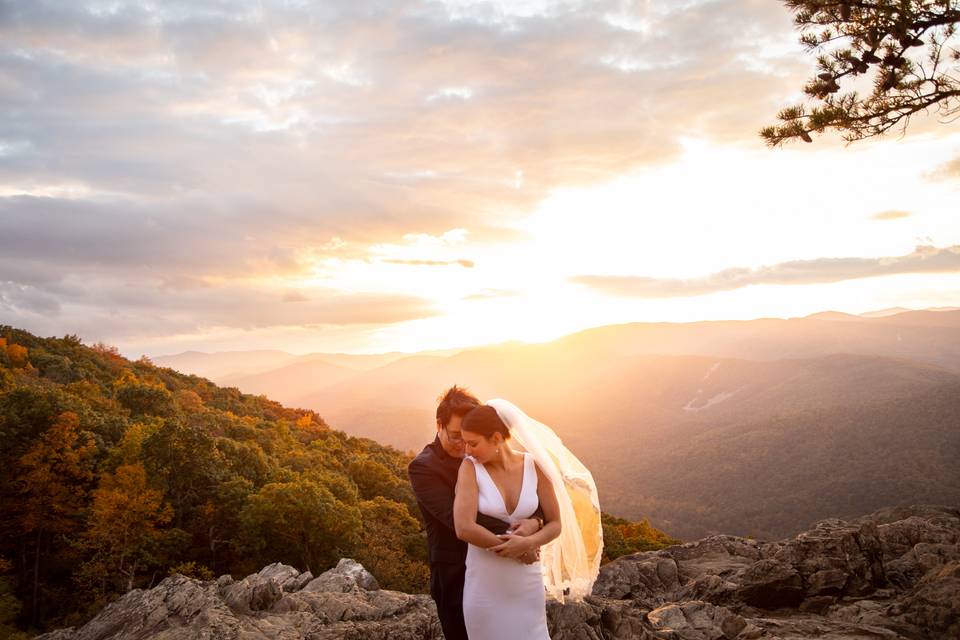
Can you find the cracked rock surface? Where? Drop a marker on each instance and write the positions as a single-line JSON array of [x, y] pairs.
[[890, 575]]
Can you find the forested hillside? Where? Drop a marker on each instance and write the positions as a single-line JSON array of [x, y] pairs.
[[117, 473]]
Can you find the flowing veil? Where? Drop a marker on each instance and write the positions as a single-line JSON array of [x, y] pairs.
[[571, 563]]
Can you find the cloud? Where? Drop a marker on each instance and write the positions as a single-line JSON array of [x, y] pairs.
[[469, 264], [946, 171], [891, 214], [492, 294], [924, 259], [15, 297], [251, 104], [178, 151], [294, 296], [111, 307]]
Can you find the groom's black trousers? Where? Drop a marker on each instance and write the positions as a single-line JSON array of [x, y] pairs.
[[446, 587]]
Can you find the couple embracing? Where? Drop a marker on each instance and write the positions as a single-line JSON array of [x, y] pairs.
[[512, 518]]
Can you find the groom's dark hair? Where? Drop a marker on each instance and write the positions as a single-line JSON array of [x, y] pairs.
[[456, 401]]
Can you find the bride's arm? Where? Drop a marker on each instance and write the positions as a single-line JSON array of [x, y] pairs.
[[465, 509]]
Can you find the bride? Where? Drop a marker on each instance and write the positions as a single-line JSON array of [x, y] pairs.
[[505, 592]]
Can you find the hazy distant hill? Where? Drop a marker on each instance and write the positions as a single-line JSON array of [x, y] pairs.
[[292, 380], [935, 339], [638, 403], [767, 476], [884, 312], [241, 367], [215, 366]]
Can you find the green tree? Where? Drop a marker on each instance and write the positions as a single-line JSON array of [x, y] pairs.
[[901, 50], [186, 462], [373, 479], [219, 521], [244, 459], [621, 537], [143, 398], [9, 604], [301, 523], [393, 549]]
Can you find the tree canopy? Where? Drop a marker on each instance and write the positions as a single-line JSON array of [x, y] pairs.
[[879, 62]]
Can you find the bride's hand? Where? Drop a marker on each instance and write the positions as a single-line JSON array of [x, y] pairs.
[[513, 546], [530, 557]]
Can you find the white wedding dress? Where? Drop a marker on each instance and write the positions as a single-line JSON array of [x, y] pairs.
[[504, 599]]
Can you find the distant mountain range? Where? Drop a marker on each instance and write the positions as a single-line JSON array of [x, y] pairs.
[[754, 427]]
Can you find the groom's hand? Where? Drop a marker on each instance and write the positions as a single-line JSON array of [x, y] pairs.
[[525, 527]]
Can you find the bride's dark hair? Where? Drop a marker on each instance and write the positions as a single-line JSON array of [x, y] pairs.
[[485, 421]]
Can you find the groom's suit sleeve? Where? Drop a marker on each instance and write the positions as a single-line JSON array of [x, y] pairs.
[[437, 498]]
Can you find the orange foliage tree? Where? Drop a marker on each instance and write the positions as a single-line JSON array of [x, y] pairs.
[[17, 355], [124, 528], [55, 479]]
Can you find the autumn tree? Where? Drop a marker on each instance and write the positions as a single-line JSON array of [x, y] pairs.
[[17, 355], [55, 477], [129, 449], [901, 52], [124, 531]]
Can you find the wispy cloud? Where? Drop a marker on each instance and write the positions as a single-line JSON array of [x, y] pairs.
[[492, 294], [924, 259], [434, 263], [891, 214], [949, 170], [117, 307]]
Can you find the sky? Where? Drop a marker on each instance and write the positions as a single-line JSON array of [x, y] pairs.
[[401, 176]]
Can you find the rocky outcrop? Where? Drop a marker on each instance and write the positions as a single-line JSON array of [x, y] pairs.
[[891, 574], [278, 602], [894, 574]]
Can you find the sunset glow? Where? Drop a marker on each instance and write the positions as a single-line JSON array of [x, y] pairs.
[[448, 174]]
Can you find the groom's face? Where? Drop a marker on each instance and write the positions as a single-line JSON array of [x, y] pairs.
[[451, 437]]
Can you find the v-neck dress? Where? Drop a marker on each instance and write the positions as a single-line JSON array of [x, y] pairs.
[[503, 598]]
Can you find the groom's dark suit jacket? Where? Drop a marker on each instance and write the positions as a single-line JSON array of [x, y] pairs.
[[433, 475]]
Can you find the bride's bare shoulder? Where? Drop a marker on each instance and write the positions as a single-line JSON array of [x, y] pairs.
[[467, 466], [467, 476], [542, 478]]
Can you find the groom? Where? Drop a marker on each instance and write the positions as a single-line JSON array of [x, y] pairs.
[[433, 474]]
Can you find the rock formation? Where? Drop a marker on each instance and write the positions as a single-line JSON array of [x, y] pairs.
[[894, 574]]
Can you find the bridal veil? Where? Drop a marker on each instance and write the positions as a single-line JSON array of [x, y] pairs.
[[571, 563]]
